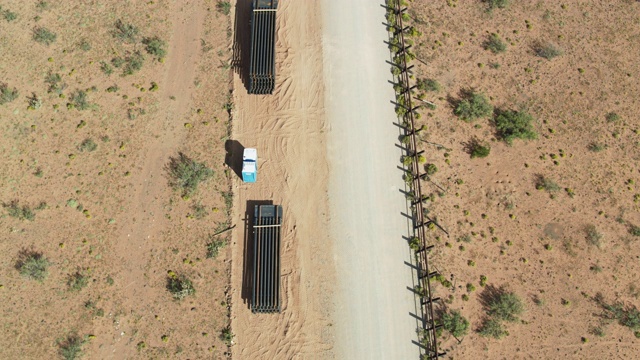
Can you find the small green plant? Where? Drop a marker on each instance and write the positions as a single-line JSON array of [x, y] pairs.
[[483, 280], [214, 246], [84, 45], [611, 117], [496, 4], [155, 47], [505, 306], [77, 281], [224, 7], [44, 36], [125, 32], [455, 323], [547, 50], [430, 169], [514, 125], [132, 63], [493, 328], [32, 265], [80, 101], [7, 94], [471, 287], [473, 106], [71, 347], [186, 174], [106, 68], [87, 145], [428, 85], [9, 15], [545, 183], [43, 5], [479, 150], [19, 212], [414, 243], [594, 237], [495, 44], [226, 335], [634, 230], [179, 286], [625, 314]]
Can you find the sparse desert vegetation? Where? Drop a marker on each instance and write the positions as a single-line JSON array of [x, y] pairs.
[[89, 124], [524, 77]]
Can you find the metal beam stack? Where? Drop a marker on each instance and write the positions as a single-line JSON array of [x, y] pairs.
[[262, 71], [266, 259]]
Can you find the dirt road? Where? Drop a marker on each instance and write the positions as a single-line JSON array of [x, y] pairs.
[[372, 318]]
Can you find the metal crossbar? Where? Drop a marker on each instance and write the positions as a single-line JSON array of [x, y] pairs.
[[428, 317]]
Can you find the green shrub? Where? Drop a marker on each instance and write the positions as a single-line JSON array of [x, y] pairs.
[[496, 4], [514, 125], [133, 63], [77, 281], [186, 174], [493, 328], [8, 15], [594, 237], [480, 151], [80, 101], [125, 32], [214, 247], [611, 117], [227, 336], [84, 45], [414, 243], [634, 230], [7, 95], [455, 323], [155, 46], [20, 212], [224, 7], [44, 36], [473, 106], [430, 169], [87, 145], [428, 85], [179, 286], [505, 306], [106, 68], [544, 183], [118, 61], [32, 265], [54, 80], [495, 44], [596, 147], [625, 315], [71, 347], [547, 50]]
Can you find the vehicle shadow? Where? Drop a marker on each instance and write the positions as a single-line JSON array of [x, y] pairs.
[[242, 40], [233, 157], [247, 258]]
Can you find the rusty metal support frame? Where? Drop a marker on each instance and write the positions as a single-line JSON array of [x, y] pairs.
[[429, 325]]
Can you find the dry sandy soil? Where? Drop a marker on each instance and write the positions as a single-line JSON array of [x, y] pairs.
[[109, 213], [535, 242]]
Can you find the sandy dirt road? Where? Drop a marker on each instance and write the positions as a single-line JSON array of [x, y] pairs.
[[288, 130], [373, 303]]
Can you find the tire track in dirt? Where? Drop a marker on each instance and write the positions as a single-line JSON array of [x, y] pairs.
[[287, 129], [146, 218]]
